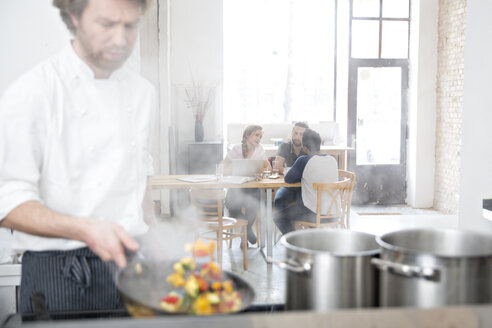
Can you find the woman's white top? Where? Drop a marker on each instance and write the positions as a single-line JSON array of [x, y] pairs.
[[237, 153]]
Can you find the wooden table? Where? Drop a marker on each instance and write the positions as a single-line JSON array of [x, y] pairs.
[[266, 210], [337, 151]]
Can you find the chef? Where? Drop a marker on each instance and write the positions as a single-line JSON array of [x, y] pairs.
[[75, 143]]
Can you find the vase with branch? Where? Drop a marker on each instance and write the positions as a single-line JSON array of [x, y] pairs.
[[199, 100]]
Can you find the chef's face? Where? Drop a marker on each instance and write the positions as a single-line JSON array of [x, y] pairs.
[[106, 33], [296, 137]]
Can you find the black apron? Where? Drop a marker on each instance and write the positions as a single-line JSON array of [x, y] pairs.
[[74, 280]]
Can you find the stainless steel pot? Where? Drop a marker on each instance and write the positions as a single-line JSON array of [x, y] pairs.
[[329, 269], [432, 268]]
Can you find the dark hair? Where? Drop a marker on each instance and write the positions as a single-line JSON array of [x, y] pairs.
[[77, 7], [249, 130], [311, 140], [301, 124]]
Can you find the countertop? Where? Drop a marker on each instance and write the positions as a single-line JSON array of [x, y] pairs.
[[459, 316]]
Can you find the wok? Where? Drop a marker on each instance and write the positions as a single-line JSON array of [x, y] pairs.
[[142, 292]]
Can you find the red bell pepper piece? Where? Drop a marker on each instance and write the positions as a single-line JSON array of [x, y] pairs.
[[202, 284], [171, 299]]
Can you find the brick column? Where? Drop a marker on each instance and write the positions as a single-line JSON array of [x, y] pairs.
[[451, 45]]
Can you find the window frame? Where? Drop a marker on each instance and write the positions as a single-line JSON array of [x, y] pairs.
[[380, 19]]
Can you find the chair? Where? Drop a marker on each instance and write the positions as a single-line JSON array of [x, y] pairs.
[[258, 229], [340, 197], [257, 225], [208, 204], [342, 174]]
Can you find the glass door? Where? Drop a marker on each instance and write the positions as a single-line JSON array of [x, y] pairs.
[[377, 129], [378, 83]]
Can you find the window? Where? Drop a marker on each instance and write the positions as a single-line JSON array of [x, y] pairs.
[[279, 60], [288, 61], [380, 28]]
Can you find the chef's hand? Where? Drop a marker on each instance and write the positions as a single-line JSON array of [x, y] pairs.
[[108, 240]]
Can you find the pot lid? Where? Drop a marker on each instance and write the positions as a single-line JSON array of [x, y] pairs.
[[330, 241], [438, 242]]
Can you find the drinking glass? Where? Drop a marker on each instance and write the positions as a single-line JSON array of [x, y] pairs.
[[219, 171], [275, 168]]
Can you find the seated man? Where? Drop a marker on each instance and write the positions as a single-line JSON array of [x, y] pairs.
[[288, 153], [315, 167]]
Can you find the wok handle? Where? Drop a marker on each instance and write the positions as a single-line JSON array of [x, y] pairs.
[[406, 270], [291, 265]]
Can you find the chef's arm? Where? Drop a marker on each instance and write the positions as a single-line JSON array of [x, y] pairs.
[[104, 238], [148, 208]]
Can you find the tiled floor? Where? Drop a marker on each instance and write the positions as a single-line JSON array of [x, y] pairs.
[[268, 280]]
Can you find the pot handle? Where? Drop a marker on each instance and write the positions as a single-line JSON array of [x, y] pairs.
[[410, 271], [292, 265]]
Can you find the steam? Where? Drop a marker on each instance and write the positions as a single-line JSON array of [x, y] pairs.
[[166, 240]]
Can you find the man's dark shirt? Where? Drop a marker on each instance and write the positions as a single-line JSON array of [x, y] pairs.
[[286, 150]]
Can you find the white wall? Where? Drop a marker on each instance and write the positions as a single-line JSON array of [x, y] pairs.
[[30, 31], [476, 149], [422, 104], [196, 54]]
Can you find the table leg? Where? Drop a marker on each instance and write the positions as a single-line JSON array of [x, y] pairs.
[[266, 224], [263, 218], [343, 160], [269, 222]]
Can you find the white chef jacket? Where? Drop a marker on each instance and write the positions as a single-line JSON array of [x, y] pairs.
[[79, 145]]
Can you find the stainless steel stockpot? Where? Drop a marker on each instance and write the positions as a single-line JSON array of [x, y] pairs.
[[434, 267], [329, 269]]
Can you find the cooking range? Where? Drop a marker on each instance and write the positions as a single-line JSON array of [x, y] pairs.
[[418, 268], [17, 320]]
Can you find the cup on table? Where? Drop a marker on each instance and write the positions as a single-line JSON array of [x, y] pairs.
[[266, 174], [275, 168], [219, 171]]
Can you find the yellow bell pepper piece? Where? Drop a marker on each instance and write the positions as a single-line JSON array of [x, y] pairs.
[[202, 305], [178, 268], [216, 286], [227, 286], [175, 279], [188, 263], [191, 286], [213, 298]]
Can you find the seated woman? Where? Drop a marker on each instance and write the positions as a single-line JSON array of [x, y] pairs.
[[247, 199]]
